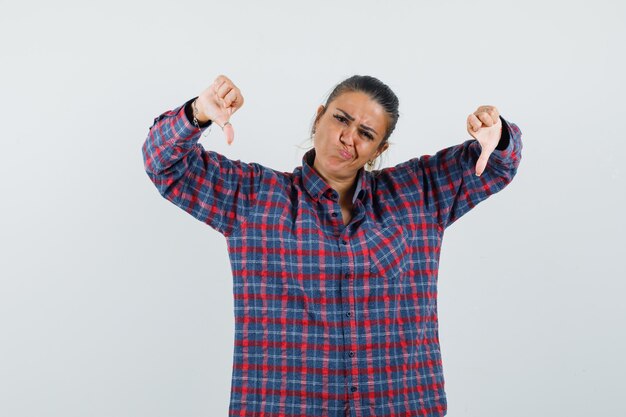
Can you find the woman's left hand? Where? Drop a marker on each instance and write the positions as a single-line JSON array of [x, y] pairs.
[[486, 127]]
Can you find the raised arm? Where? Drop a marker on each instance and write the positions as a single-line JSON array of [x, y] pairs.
[[212, 188], [449, 178]]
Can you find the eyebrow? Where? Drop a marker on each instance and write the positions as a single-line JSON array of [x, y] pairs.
[[352, 120]]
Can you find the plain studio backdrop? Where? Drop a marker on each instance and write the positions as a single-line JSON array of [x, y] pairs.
[[115, 303]]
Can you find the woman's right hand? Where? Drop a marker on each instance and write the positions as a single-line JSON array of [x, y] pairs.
[[218, 103]]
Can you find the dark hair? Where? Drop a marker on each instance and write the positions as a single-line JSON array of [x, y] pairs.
[[377, 90]]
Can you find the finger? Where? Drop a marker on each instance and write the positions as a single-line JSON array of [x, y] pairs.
[[491, 111], [481, 164], [231, 97], [219, 81], [221, 78], [473, 122], [485, 118], [495, 115], [238, 101], [229, 133], [222, 98], [224, 89]]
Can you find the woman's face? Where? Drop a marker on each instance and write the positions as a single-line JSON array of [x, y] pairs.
[[348, 134]]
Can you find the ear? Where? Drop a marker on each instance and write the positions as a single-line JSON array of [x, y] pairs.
[[383, 149], [320, 111]]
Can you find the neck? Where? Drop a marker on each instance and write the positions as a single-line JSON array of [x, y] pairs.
[[344, 186]]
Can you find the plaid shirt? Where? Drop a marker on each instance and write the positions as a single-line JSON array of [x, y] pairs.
[[330, 320]]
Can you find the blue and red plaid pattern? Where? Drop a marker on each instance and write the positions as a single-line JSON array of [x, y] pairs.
[[330, 319]]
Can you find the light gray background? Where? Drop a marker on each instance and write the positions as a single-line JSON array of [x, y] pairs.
[[114, 302]]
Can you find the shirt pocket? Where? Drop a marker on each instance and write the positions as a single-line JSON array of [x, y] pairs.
[[388, 248]]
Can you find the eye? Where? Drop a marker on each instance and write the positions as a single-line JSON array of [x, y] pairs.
[[344, 120], [341, 118]]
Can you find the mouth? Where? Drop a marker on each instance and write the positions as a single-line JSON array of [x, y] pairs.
[[345, 154]]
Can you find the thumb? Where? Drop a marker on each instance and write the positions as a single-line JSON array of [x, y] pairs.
[[229, 133], [482, 161], [227, 128]]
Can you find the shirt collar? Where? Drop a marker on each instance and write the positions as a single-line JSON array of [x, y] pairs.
[[316, 186]]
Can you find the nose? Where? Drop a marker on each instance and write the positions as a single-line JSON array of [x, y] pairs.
[[347, 137]]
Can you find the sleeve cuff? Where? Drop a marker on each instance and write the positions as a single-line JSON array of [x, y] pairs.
[[189, 114], [503, 144], [510, 145], [179, 130]]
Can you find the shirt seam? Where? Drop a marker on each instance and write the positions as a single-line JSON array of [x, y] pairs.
[[252, 208], [433, 213]]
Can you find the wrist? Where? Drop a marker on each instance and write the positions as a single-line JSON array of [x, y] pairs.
[[198, 115]]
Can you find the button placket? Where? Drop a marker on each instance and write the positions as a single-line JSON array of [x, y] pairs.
[[349, 314]]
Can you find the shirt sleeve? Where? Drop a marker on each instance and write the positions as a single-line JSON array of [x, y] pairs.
[[189, 114], [450, 187], [212, 188]]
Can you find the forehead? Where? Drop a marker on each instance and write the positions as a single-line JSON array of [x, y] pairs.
[[364, 109]]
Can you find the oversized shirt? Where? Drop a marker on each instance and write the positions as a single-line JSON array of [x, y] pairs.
[[330, 318]]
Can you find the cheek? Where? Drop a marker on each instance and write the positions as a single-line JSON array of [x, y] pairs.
[[367, 147], [329, 137]]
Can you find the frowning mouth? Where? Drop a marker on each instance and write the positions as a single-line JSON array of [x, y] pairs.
[[345, 154]]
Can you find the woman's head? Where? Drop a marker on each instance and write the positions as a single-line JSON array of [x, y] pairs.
[[359, 116]]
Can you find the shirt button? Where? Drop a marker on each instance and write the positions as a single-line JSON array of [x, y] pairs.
[[344, 242], [351, 354], [349, 314], [353, 388], [333, 214]]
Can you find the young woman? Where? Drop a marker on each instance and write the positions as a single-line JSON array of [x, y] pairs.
[[334, 264]]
